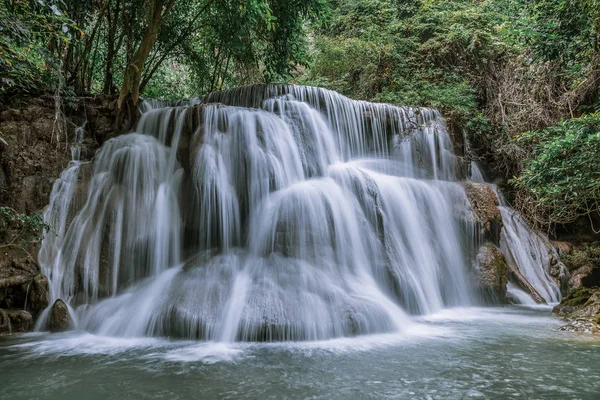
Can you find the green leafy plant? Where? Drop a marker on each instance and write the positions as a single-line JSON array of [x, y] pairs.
[[562, 180], [20, 230], [31, 35]]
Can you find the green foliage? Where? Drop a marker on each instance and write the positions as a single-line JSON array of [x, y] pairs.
[[563, 177], [30, 34], [85, 46], [425, 53], [20, 229], [495, 68], [564, 31]]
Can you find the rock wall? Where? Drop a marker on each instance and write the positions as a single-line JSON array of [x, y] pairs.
[[36, 146], [34, 150]]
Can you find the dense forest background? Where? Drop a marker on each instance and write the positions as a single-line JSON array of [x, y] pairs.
[[519, 79]]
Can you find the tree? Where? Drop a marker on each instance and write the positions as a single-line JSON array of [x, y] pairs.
[[130, 89]]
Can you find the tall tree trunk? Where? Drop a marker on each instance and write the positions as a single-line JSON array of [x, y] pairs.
[[130, 91], [113, 22]]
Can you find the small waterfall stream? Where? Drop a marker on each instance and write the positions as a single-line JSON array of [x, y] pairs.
[[530, 251], [265, 213]]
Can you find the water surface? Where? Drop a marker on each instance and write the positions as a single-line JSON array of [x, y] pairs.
[[459, 353]]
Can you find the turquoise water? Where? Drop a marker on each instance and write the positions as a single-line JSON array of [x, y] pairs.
[[498, 353]]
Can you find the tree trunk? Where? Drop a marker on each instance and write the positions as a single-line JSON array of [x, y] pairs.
[[130, 91], [113, 22]]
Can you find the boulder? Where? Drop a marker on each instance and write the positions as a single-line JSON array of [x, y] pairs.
[[21, 285], [491, 273], [577, 276], [15, 321], [60, 320], [562, 247], [581, 310], [484, 204]]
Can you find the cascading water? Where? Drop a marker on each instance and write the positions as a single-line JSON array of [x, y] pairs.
[[529, 251], [264, 213]]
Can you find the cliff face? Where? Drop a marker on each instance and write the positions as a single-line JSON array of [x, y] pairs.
[[35, 147]]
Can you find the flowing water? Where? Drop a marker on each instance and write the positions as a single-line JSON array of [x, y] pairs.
[[528, 250], [292, 213], [285, 242], [455, 354]]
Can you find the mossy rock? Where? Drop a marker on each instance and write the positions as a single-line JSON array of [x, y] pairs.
[[491, 273], [574, 300]]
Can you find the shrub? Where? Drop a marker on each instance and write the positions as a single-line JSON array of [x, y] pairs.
[[562, 180]]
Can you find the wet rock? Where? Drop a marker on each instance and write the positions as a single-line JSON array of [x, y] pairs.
[[561, 275], [492, 273], [15, 321], [574, 301], [60, 320], [21, 284], [38, 147], [37, 298], [581, 310], [484, 203], [5, 326]]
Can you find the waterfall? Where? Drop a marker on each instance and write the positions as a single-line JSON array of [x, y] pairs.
[[528, 250], [531, 252], [264, 213]]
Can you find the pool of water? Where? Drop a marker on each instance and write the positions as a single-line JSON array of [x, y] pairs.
[[460, 353]]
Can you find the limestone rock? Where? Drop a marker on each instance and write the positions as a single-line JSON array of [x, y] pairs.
[[492, 272], [562, 247], [581, 310], [578, 275], [21, 285], [15, 321], [37, 298], [484, 203], [60, 320], [33, 159]]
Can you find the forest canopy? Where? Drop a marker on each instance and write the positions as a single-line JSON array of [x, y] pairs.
[[159, 48]]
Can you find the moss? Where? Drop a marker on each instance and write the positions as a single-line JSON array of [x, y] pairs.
[[501, 267], [577, 298]]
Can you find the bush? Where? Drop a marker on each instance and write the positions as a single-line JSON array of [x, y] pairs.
[[562, 180], [30, 36], [18, 229]]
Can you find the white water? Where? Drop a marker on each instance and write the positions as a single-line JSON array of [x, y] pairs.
[[307, 217], [529, 250], [518, 295]]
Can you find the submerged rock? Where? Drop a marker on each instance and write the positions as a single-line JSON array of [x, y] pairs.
[[492, 272], [60, 320]]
